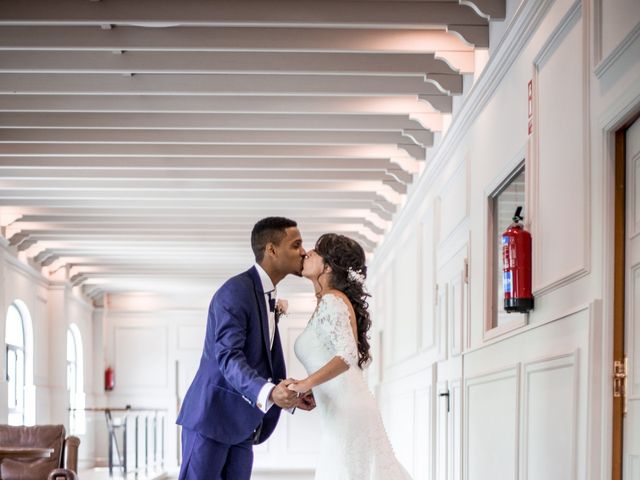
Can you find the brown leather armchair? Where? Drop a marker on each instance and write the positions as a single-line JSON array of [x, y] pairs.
[[62, 464]]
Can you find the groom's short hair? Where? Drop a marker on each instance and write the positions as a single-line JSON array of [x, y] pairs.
[[268, 230]]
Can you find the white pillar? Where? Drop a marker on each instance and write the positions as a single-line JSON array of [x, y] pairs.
[[4, 411], [58, 324]]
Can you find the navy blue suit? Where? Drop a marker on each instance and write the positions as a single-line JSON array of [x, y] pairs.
[[219, 410]]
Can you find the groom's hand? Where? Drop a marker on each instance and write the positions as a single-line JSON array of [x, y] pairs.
[[282, 396], [307, 402]]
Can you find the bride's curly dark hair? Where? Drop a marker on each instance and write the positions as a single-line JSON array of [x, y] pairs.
[[342, 253]]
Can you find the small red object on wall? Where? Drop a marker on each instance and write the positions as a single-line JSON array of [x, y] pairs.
[[109, 379]]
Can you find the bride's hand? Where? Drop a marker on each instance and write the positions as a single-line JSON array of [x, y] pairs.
[[301, 386]]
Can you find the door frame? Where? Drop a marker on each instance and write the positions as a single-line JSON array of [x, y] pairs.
[[619, 291]]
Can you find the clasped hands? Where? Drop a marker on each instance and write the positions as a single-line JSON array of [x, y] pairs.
[[290, 393]]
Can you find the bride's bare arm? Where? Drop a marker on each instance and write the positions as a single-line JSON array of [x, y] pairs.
[[331, 369]]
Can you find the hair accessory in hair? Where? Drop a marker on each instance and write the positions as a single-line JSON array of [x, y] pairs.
[[355, 275]]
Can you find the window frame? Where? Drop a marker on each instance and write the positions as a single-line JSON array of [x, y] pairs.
[[77, 419], [18, 408], [515, 320]]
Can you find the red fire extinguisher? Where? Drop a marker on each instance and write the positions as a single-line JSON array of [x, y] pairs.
[[516, 266], [109, 379]]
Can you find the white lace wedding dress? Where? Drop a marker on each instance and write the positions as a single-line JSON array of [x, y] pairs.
[[355, 445]]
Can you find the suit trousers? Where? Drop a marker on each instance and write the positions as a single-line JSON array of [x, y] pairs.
[[205, 459]]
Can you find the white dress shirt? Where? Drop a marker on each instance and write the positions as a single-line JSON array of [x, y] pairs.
[[264, 403]]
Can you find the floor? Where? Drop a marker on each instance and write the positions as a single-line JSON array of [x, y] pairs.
[[102, 473], [297, 475]]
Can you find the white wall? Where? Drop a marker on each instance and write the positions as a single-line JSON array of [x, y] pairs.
[[52, 306], [531, 400]]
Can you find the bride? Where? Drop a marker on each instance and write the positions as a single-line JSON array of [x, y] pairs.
[[334, 349]]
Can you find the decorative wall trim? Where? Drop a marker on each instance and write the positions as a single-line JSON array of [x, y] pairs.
[[559, 34], [511, 372], [428, 279], [566, 279], [605, 64], [594, 447], [456, 435], [462, 168], [447, 249], [555, 39], [457, 306], [528, 328], [23, 268], [525, 22], [597, 31], [411, 365], [37, 277], [542, 365]]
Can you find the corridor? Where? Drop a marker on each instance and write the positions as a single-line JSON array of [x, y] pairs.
[[141, 141]]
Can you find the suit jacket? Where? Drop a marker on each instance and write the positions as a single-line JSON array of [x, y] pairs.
[[236, 363]]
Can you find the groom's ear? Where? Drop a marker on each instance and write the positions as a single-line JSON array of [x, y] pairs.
[[270, 249]]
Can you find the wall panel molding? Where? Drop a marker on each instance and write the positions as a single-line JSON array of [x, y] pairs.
[[547, 367], [496, 377], [429, 339], [603, 63], [572, 19]]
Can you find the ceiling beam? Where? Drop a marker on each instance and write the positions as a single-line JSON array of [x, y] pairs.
[[211, 121], [233, 39], [343, 104], [16, 175], [87, 166], [219, 85], [246, 13], [247, 63], [230, 202], [384, 151], [200, 137]]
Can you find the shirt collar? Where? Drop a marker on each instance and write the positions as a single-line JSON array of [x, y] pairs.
[[267, 284]]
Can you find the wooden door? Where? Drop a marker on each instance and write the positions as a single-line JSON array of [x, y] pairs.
[[631, 418]]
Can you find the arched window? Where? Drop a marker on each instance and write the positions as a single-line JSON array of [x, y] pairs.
[[75, 380], [16, 365]]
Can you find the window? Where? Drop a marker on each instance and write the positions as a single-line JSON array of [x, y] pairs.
[[75, 385], [16, 365], [503, 203]]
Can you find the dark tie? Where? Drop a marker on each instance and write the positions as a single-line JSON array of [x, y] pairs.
[[272, 307], [272, 302]]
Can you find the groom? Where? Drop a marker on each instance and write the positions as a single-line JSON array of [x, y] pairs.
[[236, 396]]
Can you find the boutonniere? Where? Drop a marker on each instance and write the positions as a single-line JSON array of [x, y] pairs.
[[281, 308]]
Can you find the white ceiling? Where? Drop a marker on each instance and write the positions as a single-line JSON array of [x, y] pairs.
[[140, 141]]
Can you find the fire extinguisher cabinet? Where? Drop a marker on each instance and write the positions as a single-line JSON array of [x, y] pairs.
[[516, 266]]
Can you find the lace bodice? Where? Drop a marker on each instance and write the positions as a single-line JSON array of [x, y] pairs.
[[355, 445], [332, 320]]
